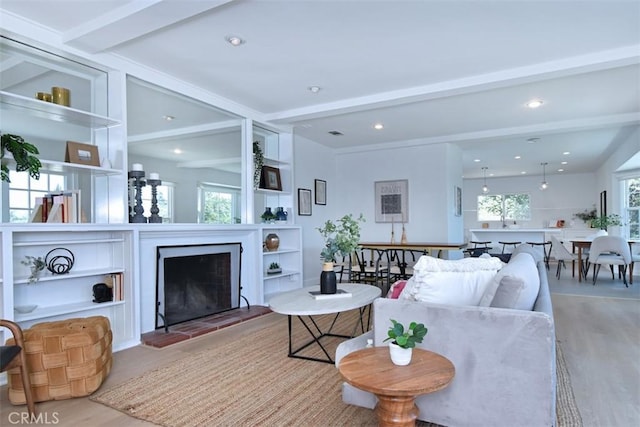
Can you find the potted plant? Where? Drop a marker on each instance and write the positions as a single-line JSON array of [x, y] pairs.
[[23, 153], [404, 340], [274, 268], [341, 238], [36, 264], [604, 221], [587, 215]]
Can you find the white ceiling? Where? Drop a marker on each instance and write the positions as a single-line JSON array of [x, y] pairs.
[[430, 71]]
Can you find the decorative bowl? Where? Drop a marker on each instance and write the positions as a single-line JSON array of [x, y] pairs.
[[23, 309]]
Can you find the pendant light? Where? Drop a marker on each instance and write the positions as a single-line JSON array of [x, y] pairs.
[[485, 189], [543, 184]]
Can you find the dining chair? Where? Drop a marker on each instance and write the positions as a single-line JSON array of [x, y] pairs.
[[13, 356], [609, 250], [562, 254], [371, 266]]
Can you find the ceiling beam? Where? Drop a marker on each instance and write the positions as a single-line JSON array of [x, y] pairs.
[[133, 20], [499, 79]]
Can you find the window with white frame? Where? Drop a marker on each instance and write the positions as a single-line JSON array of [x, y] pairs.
[[23, 190], [504, 207], [164, 197], [631, 193], [218, 204]]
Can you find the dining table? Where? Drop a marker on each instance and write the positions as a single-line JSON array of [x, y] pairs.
[[580, 245]]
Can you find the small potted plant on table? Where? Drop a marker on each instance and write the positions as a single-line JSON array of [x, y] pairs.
[[404, 340]]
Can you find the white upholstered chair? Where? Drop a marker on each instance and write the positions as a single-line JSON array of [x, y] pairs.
[[609, 250], [561, 254]]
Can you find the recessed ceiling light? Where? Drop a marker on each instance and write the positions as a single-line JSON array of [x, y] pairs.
[[168, 118], [566, 153], [314, 89], [535, 103], [533, 140], [560, 170], [564, 163], [517, 157], [177, 151], [378, 126], [476, 160], [523, 173], [234, 40]]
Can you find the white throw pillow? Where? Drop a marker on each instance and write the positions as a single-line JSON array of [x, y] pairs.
[[515, 286], [449, 287]]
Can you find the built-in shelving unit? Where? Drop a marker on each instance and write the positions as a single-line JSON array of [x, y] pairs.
[[288, 256], [98, 252], [49, 126]]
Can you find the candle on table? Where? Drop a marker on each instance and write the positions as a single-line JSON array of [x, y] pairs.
[[137, 167], [154, 175]]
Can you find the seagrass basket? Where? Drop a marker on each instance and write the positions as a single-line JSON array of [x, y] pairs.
[[65, 359]]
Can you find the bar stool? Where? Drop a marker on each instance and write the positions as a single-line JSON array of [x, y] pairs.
[[547, 252], [505, 244], [478, 248]]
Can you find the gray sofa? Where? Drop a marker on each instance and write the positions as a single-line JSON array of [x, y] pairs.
[[504, 358]]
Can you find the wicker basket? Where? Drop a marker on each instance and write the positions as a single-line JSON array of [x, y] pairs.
[[68, 358]]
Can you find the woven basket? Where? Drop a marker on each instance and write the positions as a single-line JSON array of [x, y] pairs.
[[67, 358]]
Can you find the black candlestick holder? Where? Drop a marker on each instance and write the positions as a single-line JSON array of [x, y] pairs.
[[138, 183], [154, 218]]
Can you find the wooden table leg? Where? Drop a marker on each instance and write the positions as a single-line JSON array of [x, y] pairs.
[[396, 411]]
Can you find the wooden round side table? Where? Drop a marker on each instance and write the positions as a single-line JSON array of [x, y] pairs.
[[396, 387]]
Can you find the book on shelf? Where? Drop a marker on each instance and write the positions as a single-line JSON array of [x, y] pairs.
[[340, 293], [116, 282], [58, 207]]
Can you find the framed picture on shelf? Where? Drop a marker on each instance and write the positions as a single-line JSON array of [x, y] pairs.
[[304, 202], [270, 178], [82, 154], [392, 204], [321, 192]]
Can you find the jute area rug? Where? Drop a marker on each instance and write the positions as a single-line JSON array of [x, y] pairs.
[[252, 382]]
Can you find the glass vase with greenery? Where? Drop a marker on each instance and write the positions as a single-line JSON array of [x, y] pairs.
[[604, 221], [341, 237]]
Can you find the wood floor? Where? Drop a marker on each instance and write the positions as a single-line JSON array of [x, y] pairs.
[[600, 337]]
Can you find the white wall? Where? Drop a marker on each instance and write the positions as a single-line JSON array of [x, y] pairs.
[[433, 171], [314, 161], [567, 195]]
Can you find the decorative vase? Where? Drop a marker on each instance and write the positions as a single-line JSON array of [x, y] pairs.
[[267, 215], [328, 279], [272, 242], [281, 215], [400, 356]]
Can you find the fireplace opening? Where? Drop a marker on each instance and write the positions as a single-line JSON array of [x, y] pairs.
[[195, 281]]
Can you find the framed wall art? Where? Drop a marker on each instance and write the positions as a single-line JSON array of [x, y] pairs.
[[457, 201], [392, 201], [270, 178], [82, 154], [304, 202], [321, 192]]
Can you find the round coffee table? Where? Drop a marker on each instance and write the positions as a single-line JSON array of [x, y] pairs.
[[396, 387], [301, 303]]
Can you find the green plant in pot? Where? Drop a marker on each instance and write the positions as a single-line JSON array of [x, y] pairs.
[[274, 268], [604, 221], [404, 340], [341, 238], [23, 153]]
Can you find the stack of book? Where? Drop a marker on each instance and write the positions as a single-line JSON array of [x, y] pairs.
[[116, 280], [58, 207]]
